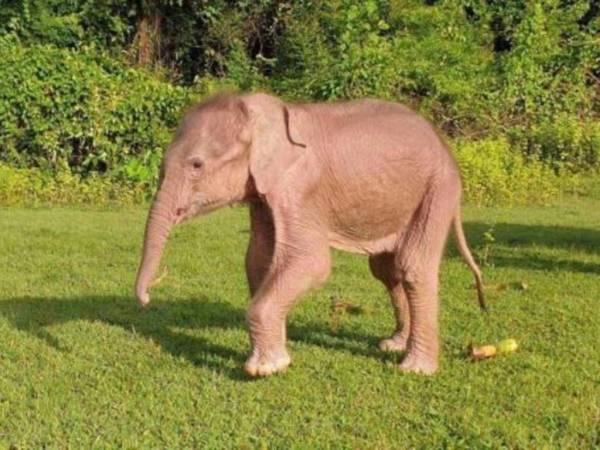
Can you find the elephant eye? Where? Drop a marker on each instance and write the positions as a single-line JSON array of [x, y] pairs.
[[197, 164]]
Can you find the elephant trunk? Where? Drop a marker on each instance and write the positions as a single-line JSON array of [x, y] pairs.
[[158, 226]]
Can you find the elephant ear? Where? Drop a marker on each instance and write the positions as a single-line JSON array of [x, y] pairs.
[[275, 141]]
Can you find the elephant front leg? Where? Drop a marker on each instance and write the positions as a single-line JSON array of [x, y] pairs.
[[267, 335], [289, 277], [261, 246]]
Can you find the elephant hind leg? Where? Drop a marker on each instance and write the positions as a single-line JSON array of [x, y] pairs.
[[383, 267], [419, 256]]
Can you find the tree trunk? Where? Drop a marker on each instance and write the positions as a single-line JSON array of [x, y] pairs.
[[147, 38]]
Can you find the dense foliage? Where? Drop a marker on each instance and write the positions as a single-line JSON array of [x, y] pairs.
[[81, 110], [98, 85]]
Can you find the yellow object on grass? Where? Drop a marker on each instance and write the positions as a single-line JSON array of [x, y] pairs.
[[507, 346], [488, 351]]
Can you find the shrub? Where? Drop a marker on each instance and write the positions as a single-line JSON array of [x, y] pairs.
[[70, 23], [525, 71], [430, 57], [567, 143], [493, 173], [82, 110], [34, 187], [545, 72]]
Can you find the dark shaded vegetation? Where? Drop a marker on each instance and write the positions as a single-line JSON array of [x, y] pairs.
[[35, 315], [97, 86]]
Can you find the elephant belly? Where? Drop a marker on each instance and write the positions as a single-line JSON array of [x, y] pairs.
[[363, 247], [374, 181], [370, 222]]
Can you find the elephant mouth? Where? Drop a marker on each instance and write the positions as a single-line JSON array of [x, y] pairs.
[[208, 203], [208, 206], [195, 209]]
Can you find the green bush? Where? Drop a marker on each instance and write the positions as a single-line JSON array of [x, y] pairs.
[[72, 23], [34, 187], [96, 86], [567, 143], [493, 173], [82, 110], [476, 68], [429, 57], [546, 71]]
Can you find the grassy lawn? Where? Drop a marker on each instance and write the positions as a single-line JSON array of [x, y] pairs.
[[81, 366]]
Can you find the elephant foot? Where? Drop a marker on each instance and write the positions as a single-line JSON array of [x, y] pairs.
[[419, 363], [396, 343], [262, 365]]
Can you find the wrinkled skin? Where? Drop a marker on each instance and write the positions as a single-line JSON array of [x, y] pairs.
[[367, 176]]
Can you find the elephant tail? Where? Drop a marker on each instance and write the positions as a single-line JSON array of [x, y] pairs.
[[463, 248]]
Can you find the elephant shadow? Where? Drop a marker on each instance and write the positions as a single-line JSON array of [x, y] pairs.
[[163, 323], [522, 236]]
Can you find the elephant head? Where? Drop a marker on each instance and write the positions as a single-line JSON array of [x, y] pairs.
[[226, 150]]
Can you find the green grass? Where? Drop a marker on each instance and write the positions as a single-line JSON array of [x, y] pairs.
[[81, 366]]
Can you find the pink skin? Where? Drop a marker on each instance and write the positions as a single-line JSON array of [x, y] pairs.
[[367, 176]]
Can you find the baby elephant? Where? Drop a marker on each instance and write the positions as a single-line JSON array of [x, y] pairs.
[[366, 176]]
